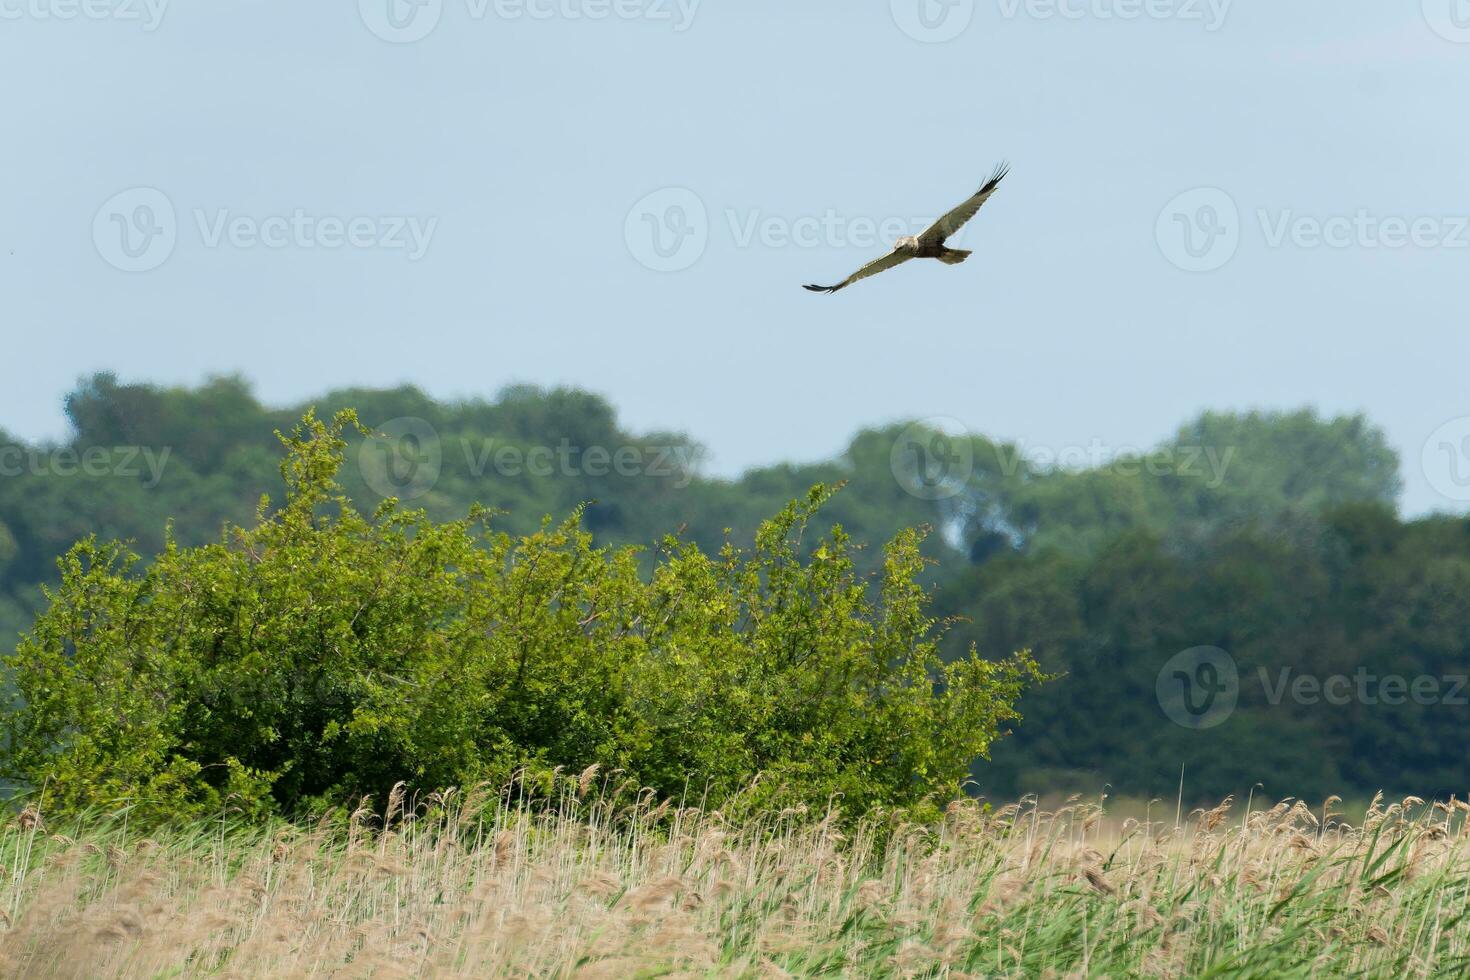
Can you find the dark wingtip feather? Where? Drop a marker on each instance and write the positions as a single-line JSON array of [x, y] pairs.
[[822, 289], [999, 175]]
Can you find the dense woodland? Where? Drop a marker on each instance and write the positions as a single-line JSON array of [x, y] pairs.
[[1274, 537]]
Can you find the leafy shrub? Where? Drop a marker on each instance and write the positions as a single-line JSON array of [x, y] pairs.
[[324, 654]]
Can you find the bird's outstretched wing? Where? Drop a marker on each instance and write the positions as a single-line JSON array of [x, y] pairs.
[[871, 269], [955, 220]]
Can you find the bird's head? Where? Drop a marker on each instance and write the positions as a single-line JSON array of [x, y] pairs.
[[908, 243]]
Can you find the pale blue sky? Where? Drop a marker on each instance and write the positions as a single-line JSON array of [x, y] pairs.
[[520, 136]]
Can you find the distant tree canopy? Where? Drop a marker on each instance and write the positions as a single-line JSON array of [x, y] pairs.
[[1271, 535], [1354, 595]]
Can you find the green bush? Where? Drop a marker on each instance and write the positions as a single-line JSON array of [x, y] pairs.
[[324, 654]]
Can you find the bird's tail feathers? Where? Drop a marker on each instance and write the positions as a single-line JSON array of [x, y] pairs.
[[954, 256]]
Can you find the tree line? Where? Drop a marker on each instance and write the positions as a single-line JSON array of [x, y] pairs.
[[1272, 538]]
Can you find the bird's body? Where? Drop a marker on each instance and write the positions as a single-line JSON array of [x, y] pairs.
[[930, 244], [915, 249]]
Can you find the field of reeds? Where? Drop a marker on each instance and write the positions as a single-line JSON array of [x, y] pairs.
[[598, 885]]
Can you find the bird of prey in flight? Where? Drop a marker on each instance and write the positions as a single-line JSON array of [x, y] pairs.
[[930, 244]]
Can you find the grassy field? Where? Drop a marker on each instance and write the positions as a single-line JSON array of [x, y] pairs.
[[597, 888]]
